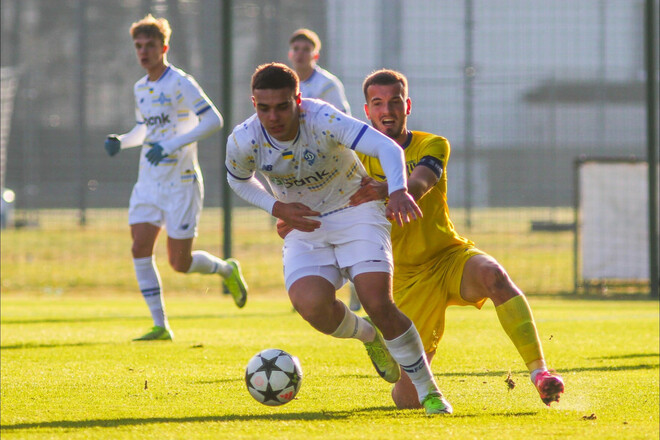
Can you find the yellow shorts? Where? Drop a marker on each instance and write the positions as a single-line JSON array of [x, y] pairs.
[[423, 293]]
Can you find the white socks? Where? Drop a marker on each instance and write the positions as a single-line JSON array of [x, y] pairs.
[[203, 262], [352, 326], [533, 374], [149, 282], [408, 351]]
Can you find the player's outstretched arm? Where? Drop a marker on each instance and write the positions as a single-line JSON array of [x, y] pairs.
[[134, 138], [209, 122], [294, 214], [402, 207], [370, 190], [420, 182]]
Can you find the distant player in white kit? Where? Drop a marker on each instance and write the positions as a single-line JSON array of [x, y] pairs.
[[304, 149], [317, 83], [172, 114]]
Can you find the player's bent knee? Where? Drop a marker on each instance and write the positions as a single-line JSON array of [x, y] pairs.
[[378, 306], [180, 265], [497, 283]]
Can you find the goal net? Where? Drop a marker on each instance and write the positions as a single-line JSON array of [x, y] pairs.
[[613, 229]]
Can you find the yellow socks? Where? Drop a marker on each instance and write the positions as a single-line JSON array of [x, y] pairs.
[[517, 321]]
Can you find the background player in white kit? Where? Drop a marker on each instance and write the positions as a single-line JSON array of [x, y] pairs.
[[304, 149], [172, 113], [317, 83]]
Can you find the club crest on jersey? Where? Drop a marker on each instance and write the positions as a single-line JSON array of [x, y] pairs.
[[309, 157], [162, 99]]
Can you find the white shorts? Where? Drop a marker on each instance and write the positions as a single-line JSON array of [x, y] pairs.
[[178, 207], [349, 242]]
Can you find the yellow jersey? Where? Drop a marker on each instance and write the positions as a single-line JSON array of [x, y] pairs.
[[419, 242]]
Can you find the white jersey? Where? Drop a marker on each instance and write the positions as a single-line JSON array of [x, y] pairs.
[[323, 85], [318, 168], [168, 107]]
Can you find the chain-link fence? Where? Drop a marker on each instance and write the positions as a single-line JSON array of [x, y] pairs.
[[521, 88]]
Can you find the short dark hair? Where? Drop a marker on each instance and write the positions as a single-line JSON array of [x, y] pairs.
[[384, 77], [275, 76], [308, 35]]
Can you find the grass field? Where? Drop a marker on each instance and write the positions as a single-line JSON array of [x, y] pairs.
[[97, 256], [69, 308], [70, 372]]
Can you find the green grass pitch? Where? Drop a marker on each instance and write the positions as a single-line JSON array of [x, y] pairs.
[[69, 371], [70, 306]]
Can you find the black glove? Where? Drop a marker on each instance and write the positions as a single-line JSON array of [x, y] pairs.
[[112, 145], [155, 154]]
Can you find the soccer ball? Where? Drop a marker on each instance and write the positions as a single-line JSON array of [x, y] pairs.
[[273, 377]]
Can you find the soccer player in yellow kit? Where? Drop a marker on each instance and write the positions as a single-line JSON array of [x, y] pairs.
[[434, 267]]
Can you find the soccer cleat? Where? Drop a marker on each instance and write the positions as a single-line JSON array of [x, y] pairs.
[[380, 356], [435, 403], [157, 333], [235, 283], [549, 386]]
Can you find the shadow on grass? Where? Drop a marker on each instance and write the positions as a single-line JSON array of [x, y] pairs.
[[30, 345], [596, 296], [69, 320], [503, 373], [500, 414], [626, 356], [295, 416]]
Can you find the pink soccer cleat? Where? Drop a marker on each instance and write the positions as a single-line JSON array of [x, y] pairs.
[[549, 386]]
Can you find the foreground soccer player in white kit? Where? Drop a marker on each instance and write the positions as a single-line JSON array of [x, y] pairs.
[[318, 83], [304, 149], [172, 113]]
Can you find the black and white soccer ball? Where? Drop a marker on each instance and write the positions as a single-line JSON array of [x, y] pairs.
[[273, 377]]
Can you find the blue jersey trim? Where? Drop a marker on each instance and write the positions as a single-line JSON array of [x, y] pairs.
[[164, 73], [237, 177], [335, 211], [263, 130], [274, 144], [359, 136], [310, 76], [203, 110]]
